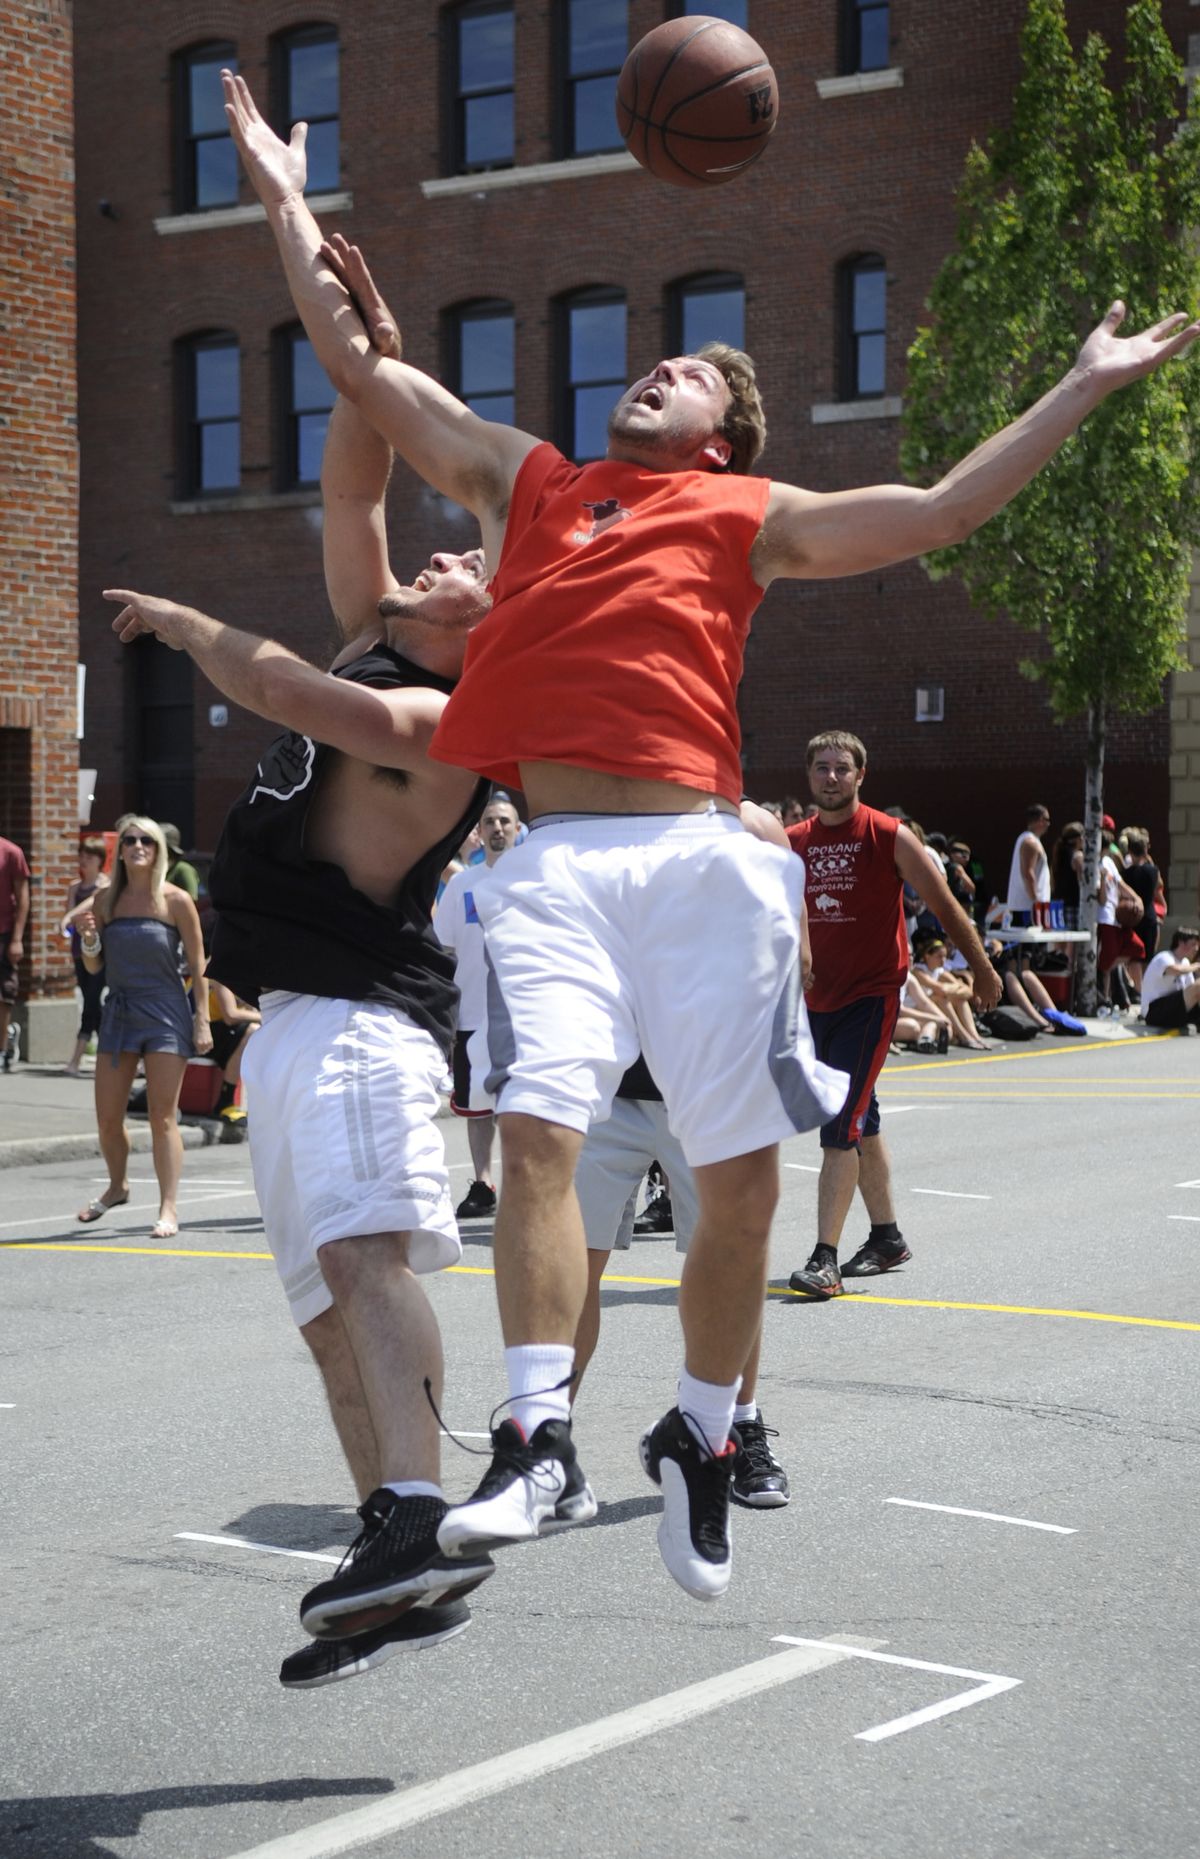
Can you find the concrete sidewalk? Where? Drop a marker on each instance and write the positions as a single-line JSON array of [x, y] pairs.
[[47, 1117]]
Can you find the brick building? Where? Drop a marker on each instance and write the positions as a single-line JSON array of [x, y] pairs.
[[39, 751], [469, 150]]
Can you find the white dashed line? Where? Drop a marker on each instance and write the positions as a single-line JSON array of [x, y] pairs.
[[266, 1549], [988, 1516], [988, 1685], [950, 1194]]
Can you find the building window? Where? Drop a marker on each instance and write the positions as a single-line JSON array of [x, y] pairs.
[[865, 35], [735, 11], [862, 320], [482, 86], [205, 158], [480, 359], [594, 44], [704, 309], [305, 400], [592, 349], [211, 426], [307, 87]]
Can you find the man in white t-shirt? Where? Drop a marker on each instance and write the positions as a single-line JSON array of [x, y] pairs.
[[1029, 874], [459, 929], [1171, 983]]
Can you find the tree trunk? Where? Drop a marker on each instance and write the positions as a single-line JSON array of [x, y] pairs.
[[1093, 852]]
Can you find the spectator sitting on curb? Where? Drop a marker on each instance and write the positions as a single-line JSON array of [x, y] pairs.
[[1171, 984], [953, 995]]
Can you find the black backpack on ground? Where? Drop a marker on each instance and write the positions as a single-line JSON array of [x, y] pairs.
[[1006, 1022]]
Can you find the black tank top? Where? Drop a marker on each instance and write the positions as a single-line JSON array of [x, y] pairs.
[[294, 923]]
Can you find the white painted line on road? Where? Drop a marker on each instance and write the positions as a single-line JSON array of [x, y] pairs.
[[807, 1168], [7, 1403], [448, 1433], [363, 1825], [989, 1685], [192, 1198], [267, 1549], [1193, 1217], [950, 1194], [1187, 1184], [895, 1110], [988, 1516]]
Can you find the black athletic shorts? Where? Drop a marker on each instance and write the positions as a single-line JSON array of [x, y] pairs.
[[855, 1039]]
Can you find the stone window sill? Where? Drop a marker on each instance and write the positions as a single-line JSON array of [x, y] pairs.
[[575, 169], [238, 502], [836, 412], [860, 82], [220, 217]]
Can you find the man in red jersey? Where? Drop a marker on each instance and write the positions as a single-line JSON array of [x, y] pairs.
[[605, 687], [857, 861]]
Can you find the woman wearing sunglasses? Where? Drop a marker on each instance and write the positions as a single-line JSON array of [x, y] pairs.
[[135, 930]]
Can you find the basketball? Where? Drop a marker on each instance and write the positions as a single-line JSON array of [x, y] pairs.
[[696, 101]]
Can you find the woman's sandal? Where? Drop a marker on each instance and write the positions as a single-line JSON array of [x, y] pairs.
[[96, 1210]]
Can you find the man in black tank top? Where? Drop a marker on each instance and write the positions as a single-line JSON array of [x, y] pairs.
[[324, 882]]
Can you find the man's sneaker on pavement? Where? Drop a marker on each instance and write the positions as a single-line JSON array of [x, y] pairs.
[[693, 1537], [479, 1201], [324, 1662], [656, 1216], [393, 1563], [820, 1277], [875, 1256], [523, 1488], [759, 1481]]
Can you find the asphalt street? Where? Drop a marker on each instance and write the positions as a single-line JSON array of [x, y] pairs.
[[993, 1455]]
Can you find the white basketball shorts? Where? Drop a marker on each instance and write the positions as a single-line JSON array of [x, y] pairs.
[[342, 1101], [676, 935]]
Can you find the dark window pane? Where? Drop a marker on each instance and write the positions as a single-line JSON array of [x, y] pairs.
[[592, 408], [310, 443], [598, 36], [310, 383], [206, 100], [872, 36], [166, 729], [217, 383], [324, 170], [870, 364], [499, 407], [487, 355], [488, 130], [216, 173], [714, 316], [870, 295], [220, 447], [597, 350], [735, 11], [313, 80], [595, 117], [485, 51]]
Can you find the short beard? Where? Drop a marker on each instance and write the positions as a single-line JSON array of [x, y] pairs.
[[667, 442]]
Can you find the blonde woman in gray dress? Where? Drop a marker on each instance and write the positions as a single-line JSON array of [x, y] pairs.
[[136, 930]]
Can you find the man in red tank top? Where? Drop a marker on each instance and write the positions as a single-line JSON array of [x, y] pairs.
[[857, 861], [603, 685]]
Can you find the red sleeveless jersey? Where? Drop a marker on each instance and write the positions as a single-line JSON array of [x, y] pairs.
[[855, 900], [615, 641]]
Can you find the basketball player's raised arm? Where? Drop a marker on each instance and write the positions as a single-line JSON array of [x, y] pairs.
[[469, 459], [808, 534], [390, 728]]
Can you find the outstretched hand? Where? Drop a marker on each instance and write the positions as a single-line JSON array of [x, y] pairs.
[[143, 613], [278, 170], [1113, 361], [350, 268]]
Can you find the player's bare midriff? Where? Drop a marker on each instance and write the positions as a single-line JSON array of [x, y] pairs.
[[364, 820], [556, 787]]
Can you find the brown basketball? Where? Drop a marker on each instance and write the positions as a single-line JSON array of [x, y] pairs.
[[696, 101]]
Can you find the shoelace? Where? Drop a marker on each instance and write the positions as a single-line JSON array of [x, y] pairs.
[[710, 1504], [374, 1521], [504, 1458], [754, 1435]]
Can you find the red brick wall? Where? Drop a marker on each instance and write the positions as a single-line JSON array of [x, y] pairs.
[[874, 172], [38, 471]]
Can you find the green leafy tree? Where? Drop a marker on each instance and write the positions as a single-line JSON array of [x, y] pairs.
[[1092, 193]]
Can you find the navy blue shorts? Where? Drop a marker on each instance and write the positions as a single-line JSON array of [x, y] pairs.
[[855, 1039]]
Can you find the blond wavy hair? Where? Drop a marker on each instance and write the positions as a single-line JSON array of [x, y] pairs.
[[109, 897]]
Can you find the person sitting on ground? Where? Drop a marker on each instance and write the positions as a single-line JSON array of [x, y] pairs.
[[1024, 988], [953, 995], [1171, 983], [918, 1005]]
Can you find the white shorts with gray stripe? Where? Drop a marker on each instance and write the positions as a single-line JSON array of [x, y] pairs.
[[342, 1098]]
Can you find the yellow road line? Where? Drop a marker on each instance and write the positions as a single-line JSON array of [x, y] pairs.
[[614, 1278], [1047, 1052]]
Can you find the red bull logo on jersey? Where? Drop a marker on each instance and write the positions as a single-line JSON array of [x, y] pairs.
[[604, 516]]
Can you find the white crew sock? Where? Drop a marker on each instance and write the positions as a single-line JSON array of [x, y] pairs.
[[414, 1488], [535, 1371], [745, 1410], [708, 1407]]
